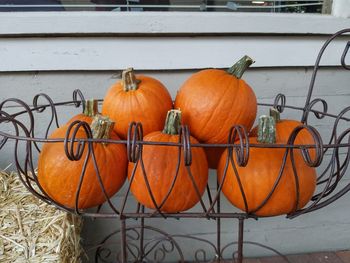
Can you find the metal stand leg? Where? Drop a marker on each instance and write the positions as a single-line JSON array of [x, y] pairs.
[[218, 229], [240, 240], [123, 243], [142, 232]]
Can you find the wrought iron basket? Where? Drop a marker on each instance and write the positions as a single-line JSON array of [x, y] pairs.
[[24, 124]]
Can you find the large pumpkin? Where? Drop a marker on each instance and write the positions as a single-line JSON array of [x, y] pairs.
[[261, 173], [160, 164], [59, 177], [214, 100], [137, 98]]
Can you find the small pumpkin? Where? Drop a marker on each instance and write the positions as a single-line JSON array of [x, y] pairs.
[[90, 110], [262, 171], [213, 100], [59, 177], [137, 98], [160, 164]]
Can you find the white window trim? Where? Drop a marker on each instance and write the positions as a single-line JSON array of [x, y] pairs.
[[162, 40], [28, 23]]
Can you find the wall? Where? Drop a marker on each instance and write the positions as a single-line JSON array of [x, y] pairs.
[[57, 53]]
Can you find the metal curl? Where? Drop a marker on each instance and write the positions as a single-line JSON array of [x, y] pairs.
[[70, 140], [4, 117], [318, 114], [279, 102], [318, 146], [317, 66], [77, 102], [239, 132], [135, 133], [184, 138], [270, 249], [333, 140], [200, 256], [329, 188], [160, 253], [345, 52], [26, 110], [42, 108], [103, 253]]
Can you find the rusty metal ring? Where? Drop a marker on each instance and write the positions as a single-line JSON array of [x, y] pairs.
[[135, 133], [238, 136], [318, 145], [184, 139], [279, 102], [70, 140], [77, 101]]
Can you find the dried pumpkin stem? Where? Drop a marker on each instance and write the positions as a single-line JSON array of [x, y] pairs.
[[129, 80], [91, 107], [101, 127], [274, 113], [266, 129], [240, 67], [172, 122]]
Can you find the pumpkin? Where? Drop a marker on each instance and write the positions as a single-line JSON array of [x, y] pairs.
[[137, 98], [90, 110], [160, 164], [59, 177], [262, 171], [213, 100]]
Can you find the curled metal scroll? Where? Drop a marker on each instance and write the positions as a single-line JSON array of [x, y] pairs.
[[158, 249], [281, 257], [317, 66], [78, 99], [41, 108], [280, 102]]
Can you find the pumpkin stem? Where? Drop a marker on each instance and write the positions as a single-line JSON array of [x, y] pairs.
[[129, 80], [240, 67], [101, 127], [274, 113], [91, 108], [172, 122], [266, 129]]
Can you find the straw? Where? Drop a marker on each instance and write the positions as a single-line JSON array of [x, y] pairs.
[[33, 231]]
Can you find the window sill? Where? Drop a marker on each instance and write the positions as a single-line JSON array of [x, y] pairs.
[[42, 23]]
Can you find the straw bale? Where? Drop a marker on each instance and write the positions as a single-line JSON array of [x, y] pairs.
[[32, 231]]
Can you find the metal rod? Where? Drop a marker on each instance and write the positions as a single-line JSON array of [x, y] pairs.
[[218, 226], [240, 240], [123, 240], [142, 233]]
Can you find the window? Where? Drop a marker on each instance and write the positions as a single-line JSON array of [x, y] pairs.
[[276, 6]]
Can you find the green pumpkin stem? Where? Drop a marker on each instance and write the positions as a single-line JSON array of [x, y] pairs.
[[172, 122], [266, 129], [240, 67], [101, 127], [91, 107], [129, 80]]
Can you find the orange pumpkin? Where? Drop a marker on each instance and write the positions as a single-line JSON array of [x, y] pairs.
[[90, 111], [160, 163], [214, 100], [59, 177], [137, 98], [261, 173]]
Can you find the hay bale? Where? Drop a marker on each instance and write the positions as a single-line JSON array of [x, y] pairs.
[[33, 231]]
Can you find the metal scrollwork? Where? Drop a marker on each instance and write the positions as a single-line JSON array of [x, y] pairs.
[[334, 156]]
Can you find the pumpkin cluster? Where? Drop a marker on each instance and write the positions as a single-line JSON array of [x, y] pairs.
[[211, 102]]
